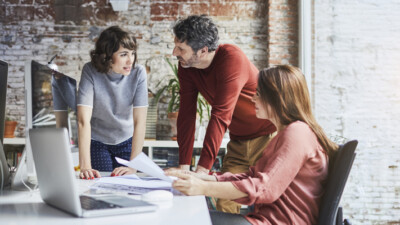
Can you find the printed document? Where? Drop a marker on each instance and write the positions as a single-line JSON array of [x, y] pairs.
[[132, 183], [143, 163]]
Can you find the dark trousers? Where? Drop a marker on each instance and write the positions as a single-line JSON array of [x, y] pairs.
[[102, 156]]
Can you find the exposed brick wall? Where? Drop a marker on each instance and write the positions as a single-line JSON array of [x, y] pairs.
[[42, 28], [283, 32], [357, 55]]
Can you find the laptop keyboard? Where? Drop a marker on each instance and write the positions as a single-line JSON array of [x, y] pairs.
[[89, 203]]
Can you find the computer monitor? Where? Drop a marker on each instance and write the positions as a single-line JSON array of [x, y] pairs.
[[4, 170], [47, 92], [3, 94]]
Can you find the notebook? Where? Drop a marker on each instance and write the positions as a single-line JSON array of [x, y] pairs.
[[57, 181]]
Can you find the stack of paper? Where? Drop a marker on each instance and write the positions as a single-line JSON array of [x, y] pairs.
[[132, 183]]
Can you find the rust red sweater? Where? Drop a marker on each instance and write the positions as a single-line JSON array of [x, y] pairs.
[[228, 84]]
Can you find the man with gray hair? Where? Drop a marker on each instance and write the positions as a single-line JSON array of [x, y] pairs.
[[227, 80]]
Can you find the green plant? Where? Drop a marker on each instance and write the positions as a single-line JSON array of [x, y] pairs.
[[173, 87], [8, 118]]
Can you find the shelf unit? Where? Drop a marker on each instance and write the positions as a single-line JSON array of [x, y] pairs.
[[150, 145], [14, 141], [13, 148], [165, 153]]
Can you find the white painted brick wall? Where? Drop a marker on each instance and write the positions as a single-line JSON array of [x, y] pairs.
[[156, 43], [357, 96]]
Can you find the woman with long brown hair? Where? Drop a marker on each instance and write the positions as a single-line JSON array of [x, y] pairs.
[[286, 184]]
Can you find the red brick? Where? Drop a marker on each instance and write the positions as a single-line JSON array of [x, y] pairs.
[[193, 9], [179, 1], [161, 9], [232, 9], [164, 18]]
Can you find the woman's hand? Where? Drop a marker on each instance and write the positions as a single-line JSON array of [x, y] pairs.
[[122, 170], [187, 183], [89, 174]]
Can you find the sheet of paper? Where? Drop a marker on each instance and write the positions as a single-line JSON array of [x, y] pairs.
[[143, 163], [129, 181], [101, 187]]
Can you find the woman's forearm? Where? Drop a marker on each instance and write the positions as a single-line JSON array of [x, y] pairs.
[[224, 190], [139, 131], [84, 145], [137, 141], [84, 134]]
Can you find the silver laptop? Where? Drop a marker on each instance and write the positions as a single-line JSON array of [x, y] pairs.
[[57, 181]]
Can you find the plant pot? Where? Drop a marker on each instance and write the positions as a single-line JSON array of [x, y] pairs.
[[173, 117], [9, 129]]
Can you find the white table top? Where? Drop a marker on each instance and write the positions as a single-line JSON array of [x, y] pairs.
[[24, 207]]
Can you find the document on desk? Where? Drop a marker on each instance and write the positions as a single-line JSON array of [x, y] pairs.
[[132, 183], [143, 163], [135, 181]]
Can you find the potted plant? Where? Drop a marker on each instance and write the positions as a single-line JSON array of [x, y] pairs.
[[172, 88], [9, 127]]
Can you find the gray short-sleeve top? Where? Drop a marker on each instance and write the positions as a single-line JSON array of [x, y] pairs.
[[112, 97]]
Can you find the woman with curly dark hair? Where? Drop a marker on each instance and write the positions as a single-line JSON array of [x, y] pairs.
[[112, 105]]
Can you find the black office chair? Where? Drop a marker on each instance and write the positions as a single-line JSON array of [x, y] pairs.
[[339, 168]]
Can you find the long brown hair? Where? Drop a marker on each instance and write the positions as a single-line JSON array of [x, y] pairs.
[[284, 88], [110, 40]]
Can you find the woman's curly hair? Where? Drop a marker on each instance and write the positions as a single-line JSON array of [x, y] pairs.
[[110, 40]]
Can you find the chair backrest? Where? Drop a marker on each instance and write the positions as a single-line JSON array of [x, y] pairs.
[[340, 166]]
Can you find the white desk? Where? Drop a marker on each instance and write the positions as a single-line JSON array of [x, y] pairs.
[[23, 207]]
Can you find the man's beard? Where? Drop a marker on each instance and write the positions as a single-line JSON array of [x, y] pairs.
[[189, 63]]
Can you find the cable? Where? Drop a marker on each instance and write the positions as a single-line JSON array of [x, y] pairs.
[[2, 178], [23, 182], [27, 186]]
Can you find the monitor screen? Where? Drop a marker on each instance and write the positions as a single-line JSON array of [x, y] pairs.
[[4, 171], [53, 99], [50, 99], [3, 94]]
